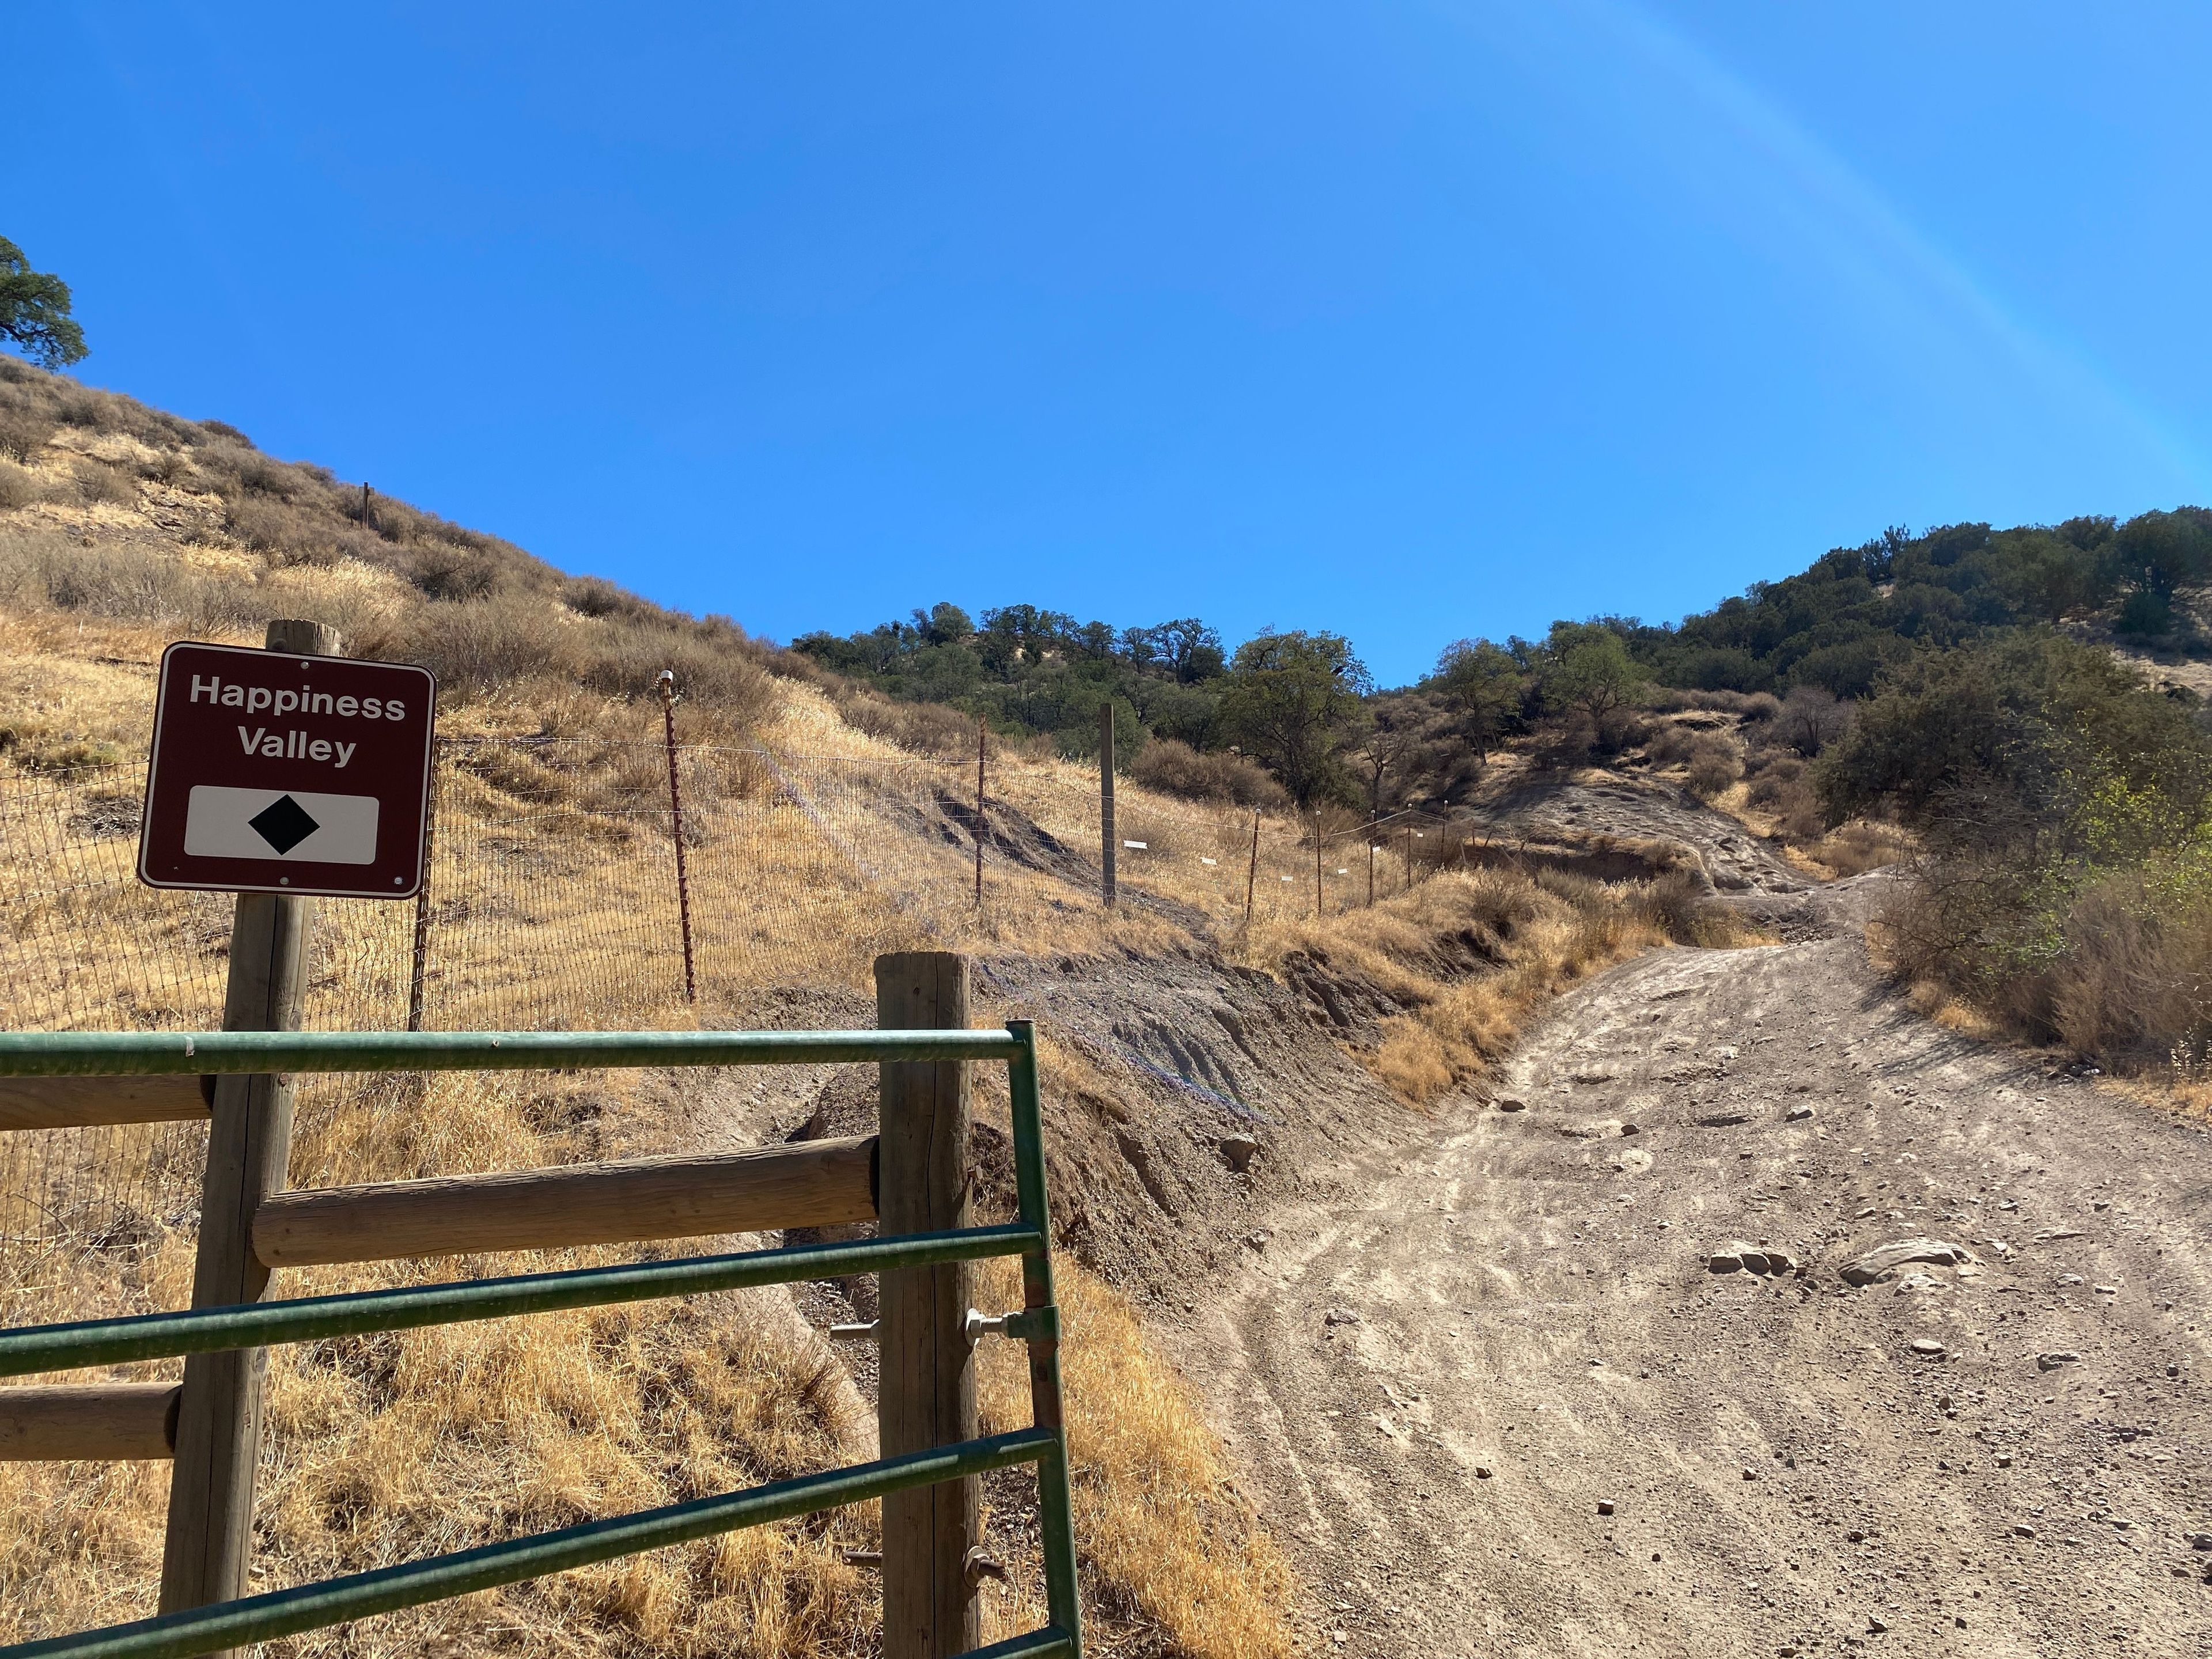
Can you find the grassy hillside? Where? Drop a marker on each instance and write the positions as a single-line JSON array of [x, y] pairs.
[[116, 513], [122, 528], [117, 517]]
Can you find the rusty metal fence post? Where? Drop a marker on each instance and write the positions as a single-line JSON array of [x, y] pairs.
[[982, 737], [419, 972], [1320, 910], [1252, 874], [667, 686]]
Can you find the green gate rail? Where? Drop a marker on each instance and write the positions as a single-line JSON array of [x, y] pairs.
[[437, 1578]]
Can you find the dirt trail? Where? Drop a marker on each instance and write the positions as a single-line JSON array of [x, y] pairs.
[[1526, 1293]]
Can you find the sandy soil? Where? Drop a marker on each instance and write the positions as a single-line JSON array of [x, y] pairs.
[[1438, 1368]]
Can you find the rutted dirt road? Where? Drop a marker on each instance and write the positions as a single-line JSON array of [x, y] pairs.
[[1433, 1390]]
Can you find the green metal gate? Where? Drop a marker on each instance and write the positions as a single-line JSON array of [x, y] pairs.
[[211, 1330]]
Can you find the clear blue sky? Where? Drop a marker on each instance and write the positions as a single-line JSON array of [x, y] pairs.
[[1409, 320]]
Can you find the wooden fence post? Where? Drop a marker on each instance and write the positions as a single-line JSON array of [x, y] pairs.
[[1108, 846], [927, 1392], [249, 1153]]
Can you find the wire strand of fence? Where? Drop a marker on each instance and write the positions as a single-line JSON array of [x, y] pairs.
[[551, 901]]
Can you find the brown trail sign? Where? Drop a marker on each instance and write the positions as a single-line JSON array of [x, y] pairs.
[[275, 772], [278, 774]]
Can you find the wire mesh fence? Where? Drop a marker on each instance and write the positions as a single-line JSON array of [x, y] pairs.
[[1233, 864], [552, 901]]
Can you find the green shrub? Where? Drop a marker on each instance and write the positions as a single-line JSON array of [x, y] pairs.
[[2066, 813], [2145, 614], [2004, 741]]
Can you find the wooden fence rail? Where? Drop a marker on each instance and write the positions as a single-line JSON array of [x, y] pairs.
[[121, 1421], [85, 1103], [818, 1184]]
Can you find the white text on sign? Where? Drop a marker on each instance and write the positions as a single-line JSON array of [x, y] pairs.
[[283, 700], [292, 745]]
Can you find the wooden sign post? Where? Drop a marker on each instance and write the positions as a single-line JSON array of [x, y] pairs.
[[926, 1391], [1107, 845], [249, 1152]]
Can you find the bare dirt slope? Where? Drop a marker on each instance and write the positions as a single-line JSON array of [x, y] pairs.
[[1735, 859], [1434, 1384]]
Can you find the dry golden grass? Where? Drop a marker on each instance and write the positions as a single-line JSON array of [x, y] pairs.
[[2190, 1097], [2180, 1086], [122, 512], [382, 1448], [1454, 1037], [1543, 934], [1856, 847], [385, 1449], [1936, 1003], [552, 904], [1158, 1522]]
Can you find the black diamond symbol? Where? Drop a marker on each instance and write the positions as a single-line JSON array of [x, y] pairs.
[[283, 824]]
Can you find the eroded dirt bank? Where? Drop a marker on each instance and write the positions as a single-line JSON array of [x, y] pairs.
[[1436, 1373]]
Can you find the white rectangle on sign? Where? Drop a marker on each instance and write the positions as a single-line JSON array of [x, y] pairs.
[[294, 825]]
